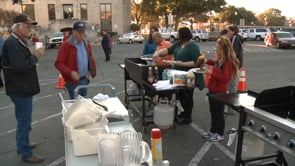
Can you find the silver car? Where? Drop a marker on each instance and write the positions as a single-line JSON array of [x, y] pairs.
[[200, 34], [130, 38], [55, 39]]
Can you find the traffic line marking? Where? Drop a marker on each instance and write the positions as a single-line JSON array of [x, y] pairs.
[[201, 153]]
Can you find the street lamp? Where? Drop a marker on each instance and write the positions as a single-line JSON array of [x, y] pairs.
[[236, 14]]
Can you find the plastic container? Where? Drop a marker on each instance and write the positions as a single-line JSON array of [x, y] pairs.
[[179, 78], [165, 163], [93, 129], [163, 114], [85, 141], [82, 113], [156, 146]]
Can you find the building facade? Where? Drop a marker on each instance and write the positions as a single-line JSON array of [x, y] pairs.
[[52, 15]]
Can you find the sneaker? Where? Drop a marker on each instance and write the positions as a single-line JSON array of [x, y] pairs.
[[207, 134], [216, 138]]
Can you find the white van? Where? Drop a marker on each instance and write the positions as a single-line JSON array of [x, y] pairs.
[[258, 33]]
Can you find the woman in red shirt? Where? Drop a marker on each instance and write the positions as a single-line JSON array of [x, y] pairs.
[[225, 66]]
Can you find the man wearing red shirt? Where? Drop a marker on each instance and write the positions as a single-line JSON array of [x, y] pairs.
[[162, 43]]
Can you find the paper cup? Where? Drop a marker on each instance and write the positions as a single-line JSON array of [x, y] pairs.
[[38, 45]]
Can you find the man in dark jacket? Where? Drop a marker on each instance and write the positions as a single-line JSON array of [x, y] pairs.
[[75, 61], [105, 43], [1, 46], [21, 82]]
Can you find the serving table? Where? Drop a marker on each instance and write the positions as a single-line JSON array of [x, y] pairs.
[[117, 122], [136, 69]]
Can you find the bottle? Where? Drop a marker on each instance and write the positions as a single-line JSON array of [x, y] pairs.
[[130, 113], [156, 75], [150, 75], [164, 74], [156, 146]]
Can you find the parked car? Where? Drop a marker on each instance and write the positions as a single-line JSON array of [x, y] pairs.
[[169, 34], [285, 40], [199, 35], [258, 33], [213, 35], [244, 33], [130, 38], [292, 30], [55, 39], [204, 34]]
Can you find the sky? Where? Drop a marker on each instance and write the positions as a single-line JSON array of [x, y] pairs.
[[259, 6]]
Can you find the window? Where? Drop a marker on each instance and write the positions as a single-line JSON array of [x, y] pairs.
[[83, 11], [29, 10], [106, 16], [68, 11], [260, 30], [51, 11]]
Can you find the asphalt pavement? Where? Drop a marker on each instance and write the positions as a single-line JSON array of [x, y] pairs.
[[182, 146]]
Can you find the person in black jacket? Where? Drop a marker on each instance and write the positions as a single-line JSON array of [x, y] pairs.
[[237, 44], [105, 43], [21, 82], [1, 45]]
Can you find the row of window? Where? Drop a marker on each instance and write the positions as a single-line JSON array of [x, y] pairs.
[[68, 13]]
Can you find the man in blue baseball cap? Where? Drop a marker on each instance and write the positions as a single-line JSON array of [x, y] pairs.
[[75, 60]]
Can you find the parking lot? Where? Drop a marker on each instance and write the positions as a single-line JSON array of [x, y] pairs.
[[265, 68]]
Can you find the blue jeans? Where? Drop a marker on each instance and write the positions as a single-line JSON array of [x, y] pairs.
[[23, 115], [71, 87]]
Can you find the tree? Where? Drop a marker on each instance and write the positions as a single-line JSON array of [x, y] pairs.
[[136, 13], [7, 16], [179, 8], [134, 27], [271, 17], [233, 15]]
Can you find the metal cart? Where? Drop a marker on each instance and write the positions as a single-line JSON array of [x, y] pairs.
[[268, 116], [118, 123], [136, 69]]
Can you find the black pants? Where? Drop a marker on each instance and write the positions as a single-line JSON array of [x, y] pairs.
[[107, 53], [1, 81], [217, 116], [186, 98]]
